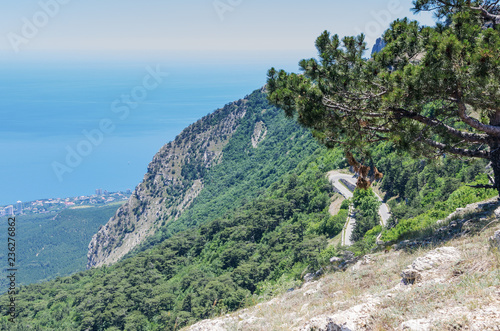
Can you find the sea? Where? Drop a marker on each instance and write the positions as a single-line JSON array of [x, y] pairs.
[[72, 124]]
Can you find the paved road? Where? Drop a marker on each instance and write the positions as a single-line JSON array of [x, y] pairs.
[[334, 177], [383, 211]]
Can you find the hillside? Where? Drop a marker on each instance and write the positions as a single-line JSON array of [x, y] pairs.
[[173, 180], [449, 285], [194, 274], [215, 165]]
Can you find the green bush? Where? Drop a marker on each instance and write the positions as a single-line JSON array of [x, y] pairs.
[[408, 228], [366, 206]]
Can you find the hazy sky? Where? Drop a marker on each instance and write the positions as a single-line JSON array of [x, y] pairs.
[[45, 44], [193, 25]]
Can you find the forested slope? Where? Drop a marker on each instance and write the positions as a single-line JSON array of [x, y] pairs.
[[216, 267], [214, 165]]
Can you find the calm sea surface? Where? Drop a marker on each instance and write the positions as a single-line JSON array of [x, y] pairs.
[[46, 108]]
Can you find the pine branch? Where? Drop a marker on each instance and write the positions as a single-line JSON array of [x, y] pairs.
[[487, 14], [471, 137], [455, 150], [489, 129]]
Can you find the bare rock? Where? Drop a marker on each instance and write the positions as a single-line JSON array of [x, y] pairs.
[[259, 133], [309, 277], [429, 263], [213, 325], [246, 322], [335, 260], [435, 258], [354, 318], [410, 276], [310, 292], [324, 323], [497, 212], [416, 325], [495, 239]]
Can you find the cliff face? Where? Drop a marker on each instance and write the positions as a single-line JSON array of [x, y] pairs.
[[379, 45], [173, 180]]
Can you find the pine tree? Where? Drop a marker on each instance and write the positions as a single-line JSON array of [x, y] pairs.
[[430, 91]]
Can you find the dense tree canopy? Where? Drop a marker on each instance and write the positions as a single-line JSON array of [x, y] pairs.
[[430, 91]]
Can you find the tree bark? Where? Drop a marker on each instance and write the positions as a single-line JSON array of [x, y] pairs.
[[495, 162], [494, 143]]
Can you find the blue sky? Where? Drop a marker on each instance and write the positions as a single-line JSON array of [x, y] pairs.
[[211, 26]]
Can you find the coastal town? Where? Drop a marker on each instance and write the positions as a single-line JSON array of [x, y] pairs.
[[42, 206]]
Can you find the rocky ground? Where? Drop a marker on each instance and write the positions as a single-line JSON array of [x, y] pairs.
[[450, 282]]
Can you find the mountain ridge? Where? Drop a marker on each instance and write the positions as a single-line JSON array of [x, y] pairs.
[[214, 165], [153, 200]]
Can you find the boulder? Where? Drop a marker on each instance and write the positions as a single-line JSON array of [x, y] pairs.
[[495, 240], [410, 276], [435, 258], [348, 255], [354, 318], [428, 263], [313, 275], [310, 292], [335, 260], [309, 277], [497, 212]]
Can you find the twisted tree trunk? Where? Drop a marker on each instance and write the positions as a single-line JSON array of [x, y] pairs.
[[494, 143]]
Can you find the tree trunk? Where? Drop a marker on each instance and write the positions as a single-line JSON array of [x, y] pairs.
[[494, 143], [495, 162]]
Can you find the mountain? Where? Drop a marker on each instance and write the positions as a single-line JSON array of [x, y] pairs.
[[379, 45], [173, 180], [213, 166], [260, 218]]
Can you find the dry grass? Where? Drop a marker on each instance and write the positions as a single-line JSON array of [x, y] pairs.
[[462, 288]]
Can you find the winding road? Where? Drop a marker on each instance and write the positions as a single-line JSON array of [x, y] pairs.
[[334, 177]]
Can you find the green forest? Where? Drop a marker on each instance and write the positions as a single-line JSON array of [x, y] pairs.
[[246, 172], [54, 244]]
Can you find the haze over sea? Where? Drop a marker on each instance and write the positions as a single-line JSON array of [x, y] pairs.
[[46, 103]]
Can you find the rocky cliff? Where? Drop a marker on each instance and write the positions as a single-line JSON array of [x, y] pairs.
[[174, 178], [214, 166], [379, 45]]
